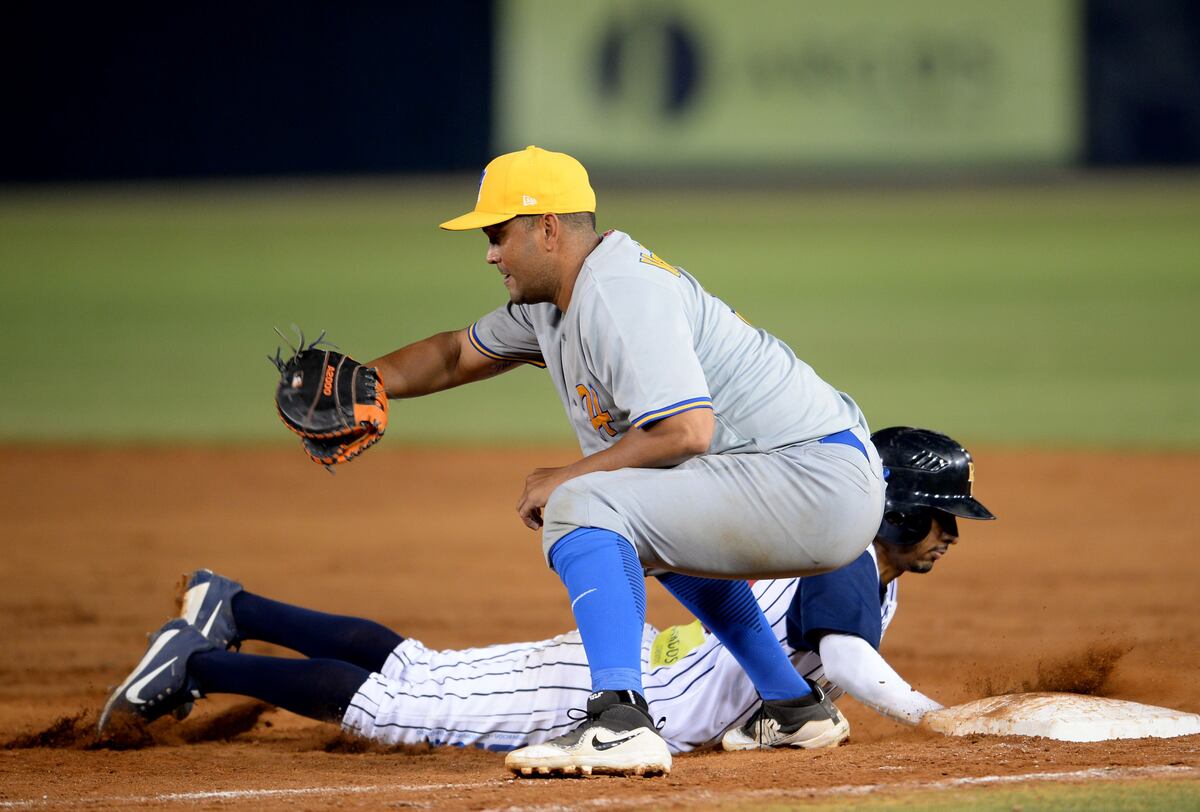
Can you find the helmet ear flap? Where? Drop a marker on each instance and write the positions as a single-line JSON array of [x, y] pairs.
[[905, 529], [891, 529]]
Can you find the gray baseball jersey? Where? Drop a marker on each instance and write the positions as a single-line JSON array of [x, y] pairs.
[[642, 341]]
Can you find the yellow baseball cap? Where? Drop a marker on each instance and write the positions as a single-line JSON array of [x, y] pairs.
[[532, 181]]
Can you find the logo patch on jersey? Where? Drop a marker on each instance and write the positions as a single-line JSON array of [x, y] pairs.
[[651, 258], [673, 644], [600, 419]]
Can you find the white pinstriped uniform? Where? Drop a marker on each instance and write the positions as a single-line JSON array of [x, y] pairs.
[[642, 341], [510, 695]]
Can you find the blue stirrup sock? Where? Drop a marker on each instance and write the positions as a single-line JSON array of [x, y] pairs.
[[607, 587], [318, 689], [319, 635], [730, 612]]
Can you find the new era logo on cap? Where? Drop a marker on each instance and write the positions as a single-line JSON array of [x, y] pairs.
[[526, 200]]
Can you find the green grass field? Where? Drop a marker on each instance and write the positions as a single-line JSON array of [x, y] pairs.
[[1058, 314], [1155, 795]]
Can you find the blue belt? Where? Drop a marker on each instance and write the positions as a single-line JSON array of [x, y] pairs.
[[846, 438]]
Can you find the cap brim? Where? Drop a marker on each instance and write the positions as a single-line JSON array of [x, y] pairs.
[[968, 507], [476, 219]]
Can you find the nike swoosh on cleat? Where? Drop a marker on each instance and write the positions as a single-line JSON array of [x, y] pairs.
[[211, 619], [150, 654], [156, 647], [193, 600], [599, 745], [134, 690]]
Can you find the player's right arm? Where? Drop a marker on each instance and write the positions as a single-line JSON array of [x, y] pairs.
[[857, 668], [837, 615], [439, 362]]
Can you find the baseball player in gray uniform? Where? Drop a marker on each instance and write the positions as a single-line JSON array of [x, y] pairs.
[[396, 691], [711, 453]]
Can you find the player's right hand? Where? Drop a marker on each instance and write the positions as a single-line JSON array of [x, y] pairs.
[[538, 487]]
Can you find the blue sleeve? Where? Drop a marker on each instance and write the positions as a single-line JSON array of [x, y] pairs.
[[844, 601]]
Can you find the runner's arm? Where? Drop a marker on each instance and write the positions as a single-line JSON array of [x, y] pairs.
[[852, 664]]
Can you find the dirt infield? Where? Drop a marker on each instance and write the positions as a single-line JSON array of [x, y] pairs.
[[1086, 583]]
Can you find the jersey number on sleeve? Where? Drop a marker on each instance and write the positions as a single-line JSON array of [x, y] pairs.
[[600, 420]]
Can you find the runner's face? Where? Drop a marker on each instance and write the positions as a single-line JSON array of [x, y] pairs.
[[921, 556]]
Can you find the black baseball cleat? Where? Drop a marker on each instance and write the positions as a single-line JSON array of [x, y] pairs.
[[810, 722], [160, 683], [617, 737], [206, 602]]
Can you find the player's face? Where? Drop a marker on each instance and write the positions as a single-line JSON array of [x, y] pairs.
[[518, 252], [921, 556]]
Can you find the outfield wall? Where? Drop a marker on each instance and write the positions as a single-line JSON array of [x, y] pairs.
[[799, 84], [152, 90]]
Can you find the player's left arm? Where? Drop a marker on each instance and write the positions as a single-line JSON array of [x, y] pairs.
[[854, 665], [837, 614], [664, 444]]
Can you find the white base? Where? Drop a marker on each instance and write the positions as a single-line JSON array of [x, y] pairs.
[[1066, 717]]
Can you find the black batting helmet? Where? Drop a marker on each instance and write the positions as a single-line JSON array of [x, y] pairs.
[[928, 474]]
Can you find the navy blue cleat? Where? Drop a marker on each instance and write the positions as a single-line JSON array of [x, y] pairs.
[[160, 684], [207, 604]]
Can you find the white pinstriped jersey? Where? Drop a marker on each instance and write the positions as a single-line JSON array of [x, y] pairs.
[[506, 696], [641, 340]]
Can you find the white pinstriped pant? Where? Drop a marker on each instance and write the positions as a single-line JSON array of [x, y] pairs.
[[510, 695]]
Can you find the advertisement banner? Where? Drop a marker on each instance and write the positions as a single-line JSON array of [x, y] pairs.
[[792, 83]]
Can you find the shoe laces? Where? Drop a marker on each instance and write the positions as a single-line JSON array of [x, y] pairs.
[[765, 730], [581, 715]]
